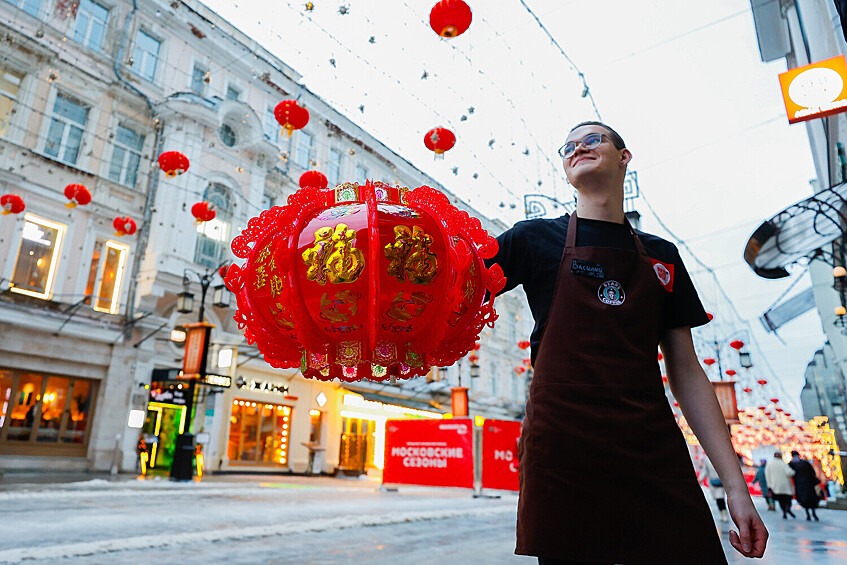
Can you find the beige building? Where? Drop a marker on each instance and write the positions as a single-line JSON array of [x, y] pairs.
[[91, 92]]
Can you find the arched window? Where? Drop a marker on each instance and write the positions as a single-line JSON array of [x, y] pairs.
[[213, 238]]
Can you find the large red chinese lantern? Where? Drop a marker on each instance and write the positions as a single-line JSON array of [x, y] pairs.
[[439, 140], [313, 178], [124, 225], [173, 163], [450, 18], [77, 195], [11, 204], [291, 116], [364, 282], [203, 212]]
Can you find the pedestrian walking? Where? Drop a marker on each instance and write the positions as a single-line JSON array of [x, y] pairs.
[[805, 481], [778, 475], [762, 481], [715, 488], [604, 298]]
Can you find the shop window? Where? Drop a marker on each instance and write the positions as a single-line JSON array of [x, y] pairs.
[[5, 396], [38, 256], [90, 28], [10, 86], [31, 7], [53, 402], [315, 418], [25, 409], [259, 433], [108, 263], [80, 397], [213, 237], [126, 156], [67, 124], [145, 56]]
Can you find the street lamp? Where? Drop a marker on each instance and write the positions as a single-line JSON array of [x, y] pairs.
[[185, 299]]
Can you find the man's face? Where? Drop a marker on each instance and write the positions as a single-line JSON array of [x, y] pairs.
[[602, 160]]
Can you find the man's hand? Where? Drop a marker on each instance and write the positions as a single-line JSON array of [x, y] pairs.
[[752, 536]]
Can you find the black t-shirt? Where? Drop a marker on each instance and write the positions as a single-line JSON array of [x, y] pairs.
[[531, 251]]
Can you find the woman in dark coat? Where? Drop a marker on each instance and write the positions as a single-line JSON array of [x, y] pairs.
[[805, 481]]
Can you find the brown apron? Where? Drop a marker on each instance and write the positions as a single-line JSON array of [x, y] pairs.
[[605, 472]]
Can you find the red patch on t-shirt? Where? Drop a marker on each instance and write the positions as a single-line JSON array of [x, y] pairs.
[[664, 272]]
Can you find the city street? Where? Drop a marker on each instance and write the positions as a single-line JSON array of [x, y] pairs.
[[293, 519]]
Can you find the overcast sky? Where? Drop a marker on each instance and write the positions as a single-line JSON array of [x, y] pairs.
[[681, 81]]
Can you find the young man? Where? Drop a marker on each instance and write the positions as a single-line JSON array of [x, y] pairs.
[[605, 472]]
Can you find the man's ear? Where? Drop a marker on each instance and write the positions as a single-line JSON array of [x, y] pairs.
[[626, 157]]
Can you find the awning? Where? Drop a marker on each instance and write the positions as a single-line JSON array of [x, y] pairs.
[[798, 232]]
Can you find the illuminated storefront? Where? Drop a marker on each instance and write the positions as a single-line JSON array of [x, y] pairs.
[[259, 433], [43, 414], [363, 431]]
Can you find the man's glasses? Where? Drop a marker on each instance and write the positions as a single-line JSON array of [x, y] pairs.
[[590, 141]]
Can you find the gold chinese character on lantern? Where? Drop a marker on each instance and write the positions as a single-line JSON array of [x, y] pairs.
[[410, 256]]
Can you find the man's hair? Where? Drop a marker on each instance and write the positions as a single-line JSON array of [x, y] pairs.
[[795, 453], [617, 140], [778, 454]]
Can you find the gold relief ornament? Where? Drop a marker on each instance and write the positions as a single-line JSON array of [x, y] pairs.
[[345, 263], [331, 308], [409, 255], [315, 256], [281, 316], [348, 353], [404, 309]]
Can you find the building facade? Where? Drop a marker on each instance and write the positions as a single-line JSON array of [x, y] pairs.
[[90, 326]]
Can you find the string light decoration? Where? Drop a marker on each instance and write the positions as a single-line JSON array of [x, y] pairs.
[[342, 282], [77, 195], [11, 204], [124, 225], [173, 163], [450, 18]]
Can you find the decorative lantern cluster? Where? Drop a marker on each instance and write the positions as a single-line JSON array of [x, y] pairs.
[[11, 204], [364, 282], [450, 18], [77, 195], [124, 225], [313, 178], [203, 212], [291, 116], [173, 163]]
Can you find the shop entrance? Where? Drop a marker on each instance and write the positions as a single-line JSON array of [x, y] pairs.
[[357, 446], [163, 424]]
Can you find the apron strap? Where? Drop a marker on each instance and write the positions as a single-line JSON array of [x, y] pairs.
[[570, 239]]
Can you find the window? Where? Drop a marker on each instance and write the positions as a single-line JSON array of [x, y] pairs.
[[44, 410], [90, 29], [333, 170], [105, 276], [267, 201], [213, 236], [198, 80], [227, 135], [232, 93], [259, 433], [38, 256], [304, 150], [361, 174], [126, 156], [31, 7], [146, 55], [10, 86], [271, 126], [67, 124]]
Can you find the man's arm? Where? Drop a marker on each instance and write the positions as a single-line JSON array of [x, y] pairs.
[[696, 397]]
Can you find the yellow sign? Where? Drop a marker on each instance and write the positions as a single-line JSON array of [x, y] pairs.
[[816, 90]]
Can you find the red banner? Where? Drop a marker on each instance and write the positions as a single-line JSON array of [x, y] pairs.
[[500, 454], [429, 452]]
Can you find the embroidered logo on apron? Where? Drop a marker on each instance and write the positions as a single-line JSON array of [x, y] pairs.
[[611, 293]]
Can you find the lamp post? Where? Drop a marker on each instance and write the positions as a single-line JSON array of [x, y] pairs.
[[185, 299]]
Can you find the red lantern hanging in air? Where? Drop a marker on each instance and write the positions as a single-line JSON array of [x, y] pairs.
[[450, 18], [77, 195], [473, 357], [736, 344], [524, 344], [747, 389], [520, 369], [313, 178], [124, 225], [710, 316], [222, 271], [774, 400], [527, 361], [659, 357], [709, 361], [173, 163], [203, 212], [439, 140], [364, 282], [291, 116], [11, 204], [731, 372], [762, 382]]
